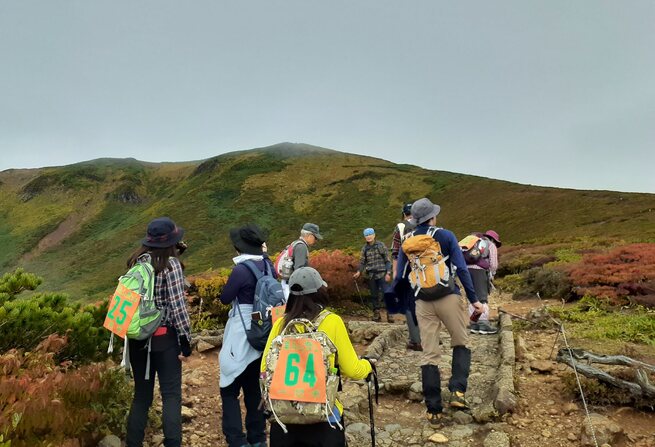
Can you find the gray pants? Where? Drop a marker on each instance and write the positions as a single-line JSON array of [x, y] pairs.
[[414, 334]]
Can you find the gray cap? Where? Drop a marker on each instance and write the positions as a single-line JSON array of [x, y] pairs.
[[312, 228], [306, 280], [423, 210]]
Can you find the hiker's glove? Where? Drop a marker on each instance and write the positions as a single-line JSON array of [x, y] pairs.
[[185, 347]]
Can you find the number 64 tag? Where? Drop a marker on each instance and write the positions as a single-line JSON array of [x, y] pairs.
[[300, 374]]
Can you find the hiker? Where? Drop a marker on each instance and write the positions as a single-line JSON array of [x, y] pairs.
[[238, 360], [309, 299], [400, 232], [169, 345], [296, 254], [482, 272], [374, 260], [432, 253]]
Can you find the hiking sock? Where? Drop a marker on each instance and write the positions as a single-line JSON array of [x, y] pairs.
[[461, 367], [432, 388]]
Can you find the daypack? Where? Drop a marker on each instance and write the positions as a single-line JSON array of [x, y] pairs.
[[299, 386], [284, 261], [132, 312], [404, 230], [269, 299], [429, 274], [476, 250]]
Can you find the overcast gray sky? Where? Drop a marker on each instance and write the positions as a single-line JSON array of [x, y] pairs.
[[558, 93]]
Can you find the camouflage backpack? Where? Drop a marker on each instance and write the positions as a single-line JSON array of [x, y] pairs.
[[132, 312], [299, 386]]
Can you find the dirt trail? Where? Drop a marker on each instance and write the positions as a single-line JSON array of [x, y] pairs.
[[547, 413]]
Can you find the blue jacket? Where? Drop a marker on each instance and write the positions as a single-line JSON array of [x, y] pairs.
[[450, 248]]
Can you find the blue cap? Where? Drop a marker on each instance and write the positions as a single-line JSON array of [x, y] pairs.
[[369, 232]]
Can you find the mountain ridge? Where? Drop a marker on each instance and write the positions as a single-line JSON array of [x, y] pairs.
[[98, 209]]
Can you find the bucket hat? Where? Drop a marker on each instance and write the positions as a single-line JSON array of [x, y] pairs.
[[248, 239], [312, 228], [162, 232], [369, 231], [423, 210], [305, 280], [493, 235]]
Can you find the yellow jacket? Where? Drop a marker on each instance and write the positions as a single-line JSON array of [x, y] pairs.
[[349, 363]]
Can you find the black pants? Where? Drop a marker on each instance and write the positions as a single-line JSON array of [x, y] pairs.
[[376, 287], [481, 284], [165, 363], [310, 435], [248, 380]]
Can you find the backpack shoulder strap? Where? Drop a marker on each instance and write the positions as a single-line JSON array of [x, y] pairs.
[[319, 319], [380, 252], [253, 268], [432, 231]]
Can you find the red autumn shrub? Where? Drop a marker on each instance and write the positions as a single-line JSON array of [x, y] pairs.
[[45, 403], [624, 271], [336, 268]]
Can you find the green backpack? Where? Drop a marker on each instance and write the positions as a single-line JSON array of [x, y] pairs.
[[132, 312]]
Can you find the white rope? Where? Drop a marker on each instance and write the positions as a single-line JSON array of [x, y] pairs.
[[577, 376]]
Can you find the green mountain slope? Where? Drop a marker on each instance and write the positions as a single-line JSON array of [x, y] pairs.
[[76, 225]]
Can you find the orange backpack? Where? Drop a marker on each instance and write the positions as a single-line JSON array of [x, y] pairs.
[[429, 275]]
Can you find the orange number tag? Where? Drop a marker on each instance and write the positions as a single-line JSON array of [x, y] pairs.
[[277, 313], [302, 377], [121, 310]]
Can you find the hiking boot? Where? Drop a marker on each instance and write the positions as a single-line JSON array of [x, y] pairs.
[[458, 401], [474, 328], [390, 318], [434, 418], [414, 346], [485, 328], [376, 316]]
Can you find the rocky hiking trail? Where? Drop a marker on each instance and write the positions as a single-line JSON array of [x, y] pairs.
[[517, 395]]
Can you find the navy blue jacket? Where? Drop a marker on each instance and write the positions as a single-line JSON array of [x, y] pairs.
[[242, 283], [450, 248]]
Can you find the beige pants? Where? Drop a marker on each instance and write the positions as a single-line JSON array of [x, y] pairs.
[[450, 311]]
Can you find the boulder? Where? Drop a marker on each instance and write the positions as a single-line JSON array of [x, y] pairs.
[[606, 430], [496, 439], [110, 441]]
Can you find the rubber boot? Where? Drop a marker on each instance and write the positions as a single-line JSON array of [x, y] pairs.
[[432, 388], [376, 316], [460, 369]]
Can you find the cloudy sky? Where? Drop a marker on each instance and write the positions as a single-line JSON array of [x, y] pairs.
[[548, 92]]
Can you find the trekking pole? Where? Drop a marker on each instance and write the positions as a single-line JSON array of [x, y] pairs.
[[361, 300], [370, 413], [372, 381], [515, 316]]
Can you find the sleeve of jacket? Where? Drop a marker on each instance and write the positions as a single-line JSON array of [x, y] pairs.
[[362, 260], [395, 243], [385, 255], [350, 364], [300, 255], [178, 308], [457, 259], [231, 288], [493, 259]]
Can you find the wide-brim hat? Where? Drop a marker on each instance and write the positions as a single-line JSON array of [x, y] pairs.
[[493, 235], [423, 210], [248, 239], [162, 232]]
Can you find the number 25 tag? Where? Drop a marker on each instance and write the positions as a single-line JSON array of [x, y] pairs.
[[122, 307]]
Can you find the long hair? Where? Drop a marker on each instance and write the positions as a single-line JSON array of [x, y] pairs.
[[306, 306], [159, 256]]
